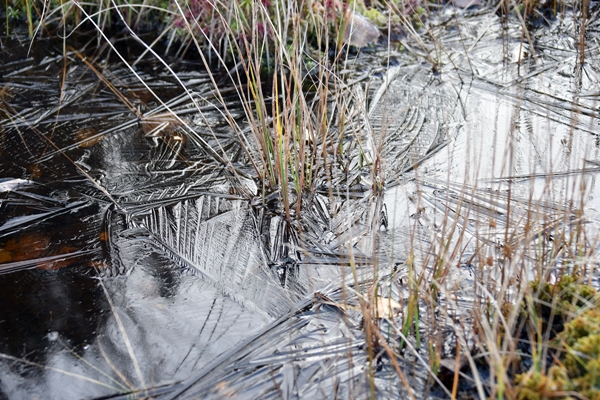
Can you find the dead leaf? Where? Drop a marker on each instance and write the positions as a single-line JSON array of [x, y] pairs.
[[450, 363], [387, 307], [88, 137], [160, 125]]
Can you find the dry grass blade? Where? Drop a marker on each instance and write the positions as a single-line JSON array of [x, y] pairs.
[[115, 313], [61, 371]]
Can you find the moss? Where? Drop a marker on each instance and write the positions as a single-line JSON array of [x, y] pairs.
[[585, 325], [537, 386], [581, 360], [568, 294], [376, 17], [577, 369], [417, 17]]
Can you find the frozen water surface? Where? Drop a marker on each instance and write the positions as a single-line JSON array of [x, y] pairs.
[[133, 262]]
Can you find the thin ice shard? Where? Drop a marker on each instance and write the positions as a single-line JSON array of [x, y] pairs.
[[219, 238]]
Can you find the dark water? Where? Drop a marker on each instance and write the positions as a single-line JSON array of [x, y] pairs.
[[132, 263]]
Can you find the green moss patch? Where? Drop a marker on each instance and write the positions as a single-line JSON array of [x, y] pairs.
[[575, 350]]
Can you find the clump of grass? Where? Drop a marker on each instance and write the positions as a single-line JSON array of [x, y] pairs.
[[212, 23]]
